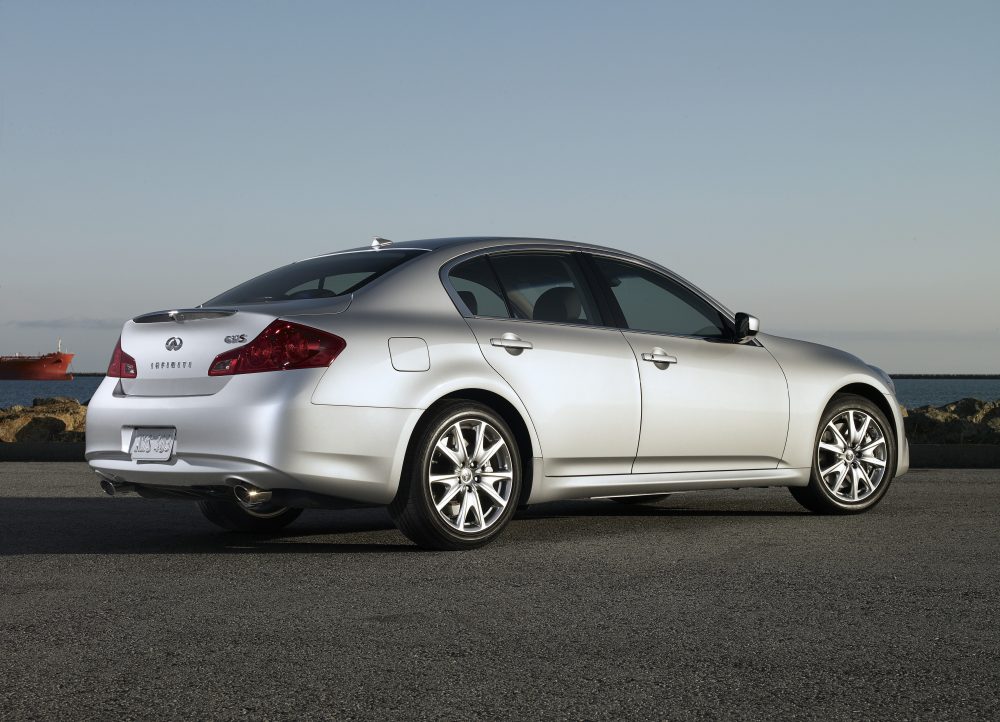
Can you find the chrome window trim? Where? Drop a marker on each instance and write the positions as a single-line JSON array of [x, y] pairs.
[[663, 271], [446, 267], [684, 283], [445, 270]]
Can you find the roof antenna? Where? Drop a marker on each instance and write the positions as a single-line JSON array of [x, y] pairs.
[[380, 243]]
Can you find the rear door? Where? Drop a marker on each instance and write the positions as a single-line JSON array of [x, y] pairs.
[[540, 329], [708, 403]]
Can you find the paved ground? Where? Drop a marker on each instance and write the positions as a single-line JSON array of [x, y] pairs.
[[723, 604]]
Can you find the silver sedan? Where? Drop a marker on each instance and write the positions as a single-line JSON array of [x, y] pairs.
[[455, 380]]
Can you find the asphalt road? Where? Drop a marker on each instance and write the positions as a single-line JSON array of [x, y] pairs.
[[706, 606]]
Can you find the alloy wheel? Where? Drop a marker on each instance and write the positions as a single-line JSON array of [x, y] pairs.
[[851, 456], [470, 475]]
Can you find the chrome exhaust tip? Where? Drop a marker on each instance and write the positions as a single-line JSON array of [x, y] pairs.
[[113, 486], [249, 495]]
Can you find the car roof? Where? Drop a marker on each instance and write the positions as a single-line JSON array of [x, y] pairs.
[[460, 243]]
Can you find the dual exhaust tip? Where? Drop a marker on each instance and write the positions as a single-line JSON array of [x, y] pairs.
[[246, 494]]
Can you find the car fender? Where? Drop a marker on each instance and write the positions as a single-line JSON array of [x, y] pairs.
[[815, 374]]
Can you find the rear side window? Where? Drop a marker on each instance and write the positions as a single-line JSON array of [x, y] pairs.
[[323, 277], [477, 287], [545, 287]]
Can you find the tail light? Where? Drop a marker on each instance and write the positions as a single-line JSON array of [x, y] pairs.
[[281, 346], [122, 365]]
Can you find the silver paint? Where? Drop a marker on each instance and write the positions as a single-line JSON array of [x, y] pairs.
[[606, 412]]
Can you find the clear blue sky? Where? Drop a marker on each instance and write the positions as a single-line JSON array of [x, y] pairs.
[[832, 167]]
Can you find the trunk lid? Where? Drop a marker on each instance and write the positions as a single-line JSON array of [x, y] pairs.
[[174, 349]]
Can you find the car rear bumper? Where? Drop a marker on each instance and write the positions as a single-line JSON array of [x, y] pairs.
[[262, 429]]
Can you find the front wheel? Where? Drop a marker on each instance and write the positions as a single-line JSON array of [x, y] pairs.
[[462, 481], [853, 460], [233, 516]]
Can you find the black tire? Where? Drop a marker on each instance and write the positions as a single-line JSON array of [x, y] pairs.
[[818, 496], [230, 515], [414, 510], [637, 500]]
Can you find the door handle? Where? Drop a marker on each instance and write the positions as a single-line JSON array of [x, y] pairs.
[[512, 342], [658, 357]]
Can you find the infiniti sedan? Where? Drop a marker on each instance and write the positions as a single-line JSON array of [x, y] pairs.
[[456, 380]]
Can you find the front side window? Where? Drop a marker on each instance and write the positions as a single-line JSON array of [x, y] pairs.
[[545, 287], [477, 287], [323, 277], [652, 302]]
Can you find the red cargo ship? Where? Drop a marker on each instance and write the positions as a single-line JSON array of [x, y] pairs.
[[48, 367]]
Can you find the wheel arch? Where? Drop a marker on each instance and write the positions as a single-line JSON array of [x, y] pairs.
[[892, 413], [872, 394], [517, 422]]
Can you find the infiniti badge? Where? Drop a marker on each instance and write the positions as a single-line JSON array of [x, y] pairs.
[[174, 343]]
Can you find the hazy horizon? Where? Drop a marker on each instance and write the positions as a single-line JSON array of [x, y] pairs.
[[833, 169]]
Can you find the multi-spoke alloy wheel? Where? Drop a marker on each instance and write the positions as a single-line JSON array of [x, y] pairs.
[[851, 455], [462, 480], [470, 475], [853, 461]]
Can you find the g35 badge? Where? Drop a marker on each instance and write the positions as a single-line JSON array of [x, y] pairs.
[[237, 338]]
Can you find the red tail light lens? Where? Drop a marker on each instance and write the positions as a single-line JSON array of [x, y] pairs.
[[122, 365], [281, 346]]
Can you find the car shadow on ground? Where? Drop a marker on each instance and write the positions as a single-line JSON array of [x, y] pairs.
[[611, 509], [73, 525]]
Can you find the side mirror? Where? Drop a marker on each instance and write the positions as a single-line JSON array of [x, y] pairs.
[[747, 326]]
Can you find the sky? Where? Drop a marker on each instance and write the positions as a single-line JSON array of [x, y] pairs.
[[833, 168]]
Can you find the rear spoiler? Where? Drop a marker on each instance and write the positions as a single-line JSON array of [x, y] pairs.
[[181, 315]]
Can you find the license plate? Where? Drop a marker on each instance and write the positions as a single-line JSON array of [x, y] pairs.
[[152, 444]]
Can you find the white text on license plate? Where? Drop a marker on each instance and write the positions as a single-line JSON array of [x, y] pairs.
[[152, 444]]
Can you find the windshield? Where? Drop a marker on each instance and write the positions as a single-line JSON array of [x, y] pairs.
[[323, 277]]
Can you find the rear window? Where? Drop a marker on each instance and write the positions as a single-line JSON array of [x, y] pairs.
[[477, 287], [324, 277]]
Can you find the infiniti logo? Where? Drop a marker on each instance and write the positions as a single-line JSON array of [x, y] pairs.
[[174, 343]]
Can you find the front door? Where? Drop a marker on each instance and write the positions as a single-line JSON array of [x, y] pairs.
[[708, 403]]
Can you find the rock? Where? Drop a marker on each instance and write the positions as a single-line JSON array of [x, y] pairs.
[[54, 401], [968, 421], [56, 419]]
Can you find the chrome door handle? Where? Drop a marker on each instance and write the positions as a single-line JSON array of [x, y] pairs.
[[659, 358], [509, 340]]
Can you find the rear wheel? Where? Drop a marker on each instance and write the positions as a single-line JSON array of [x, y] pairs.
[[234, 516], [462, 481], [853, 460]]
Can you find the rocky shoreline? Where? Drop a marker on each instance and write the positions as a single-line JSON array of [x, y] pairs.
[[57, 420], [63, 420], [968, 421]]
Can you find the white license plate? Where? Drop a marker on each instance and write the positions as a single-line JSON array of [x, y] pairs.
[[152, 444]]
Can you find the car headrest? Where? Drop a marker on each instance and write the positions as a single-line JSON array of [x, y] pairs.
[[469, 299], [559, 305]]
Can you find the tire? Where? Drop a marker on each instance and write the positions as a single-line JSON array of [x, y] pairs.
[[841, 453], [637, 500], [230, 515], [441, 472]]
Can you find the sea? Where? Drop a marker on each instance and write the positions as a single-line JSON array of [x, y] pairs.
[[911, 392]]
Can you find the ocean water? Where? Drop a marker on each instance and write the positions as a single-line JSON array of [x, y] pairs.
[[23, 392], [937, 392]]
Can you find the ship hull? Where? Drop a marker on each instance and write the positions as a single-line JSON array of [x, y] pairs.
[[50, 367]]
